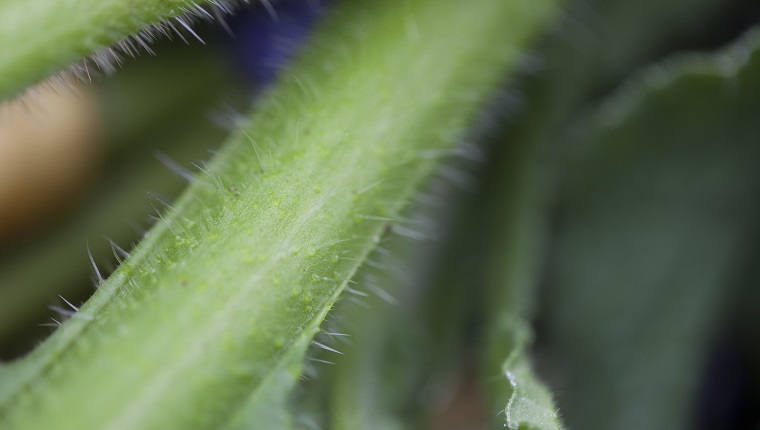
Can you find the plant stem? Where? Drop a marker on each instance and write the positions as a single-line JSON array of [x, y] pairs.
[[242, 270], [38, 38]]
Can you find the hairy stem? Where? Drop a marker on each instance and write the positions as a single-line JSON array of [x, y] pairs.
[[238, 275], [41, 37]]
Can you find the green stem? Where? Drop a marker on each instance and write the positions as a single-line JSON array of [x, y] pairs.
[[242, 271], [38, 38]]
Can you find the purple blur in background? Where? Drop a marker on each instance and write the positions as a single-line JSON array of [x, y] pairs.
[[267, 35]]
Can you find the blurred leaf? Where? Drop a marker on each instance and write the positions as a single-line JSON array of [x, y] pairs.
[[652, 226], [595, 46], [601, 41], [530, 404], [513, 221]]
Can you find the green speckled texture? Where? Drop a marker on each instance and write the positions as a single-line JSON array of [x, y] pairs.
[[238, 275]]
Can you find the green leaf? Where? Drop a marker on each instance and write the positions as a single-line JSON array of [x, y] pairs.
[[248, 262], [530, 404], [650, 234], [514, 237]]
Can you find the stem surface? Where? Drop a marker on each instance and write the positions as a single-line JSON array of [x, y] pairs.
[[236, 277]]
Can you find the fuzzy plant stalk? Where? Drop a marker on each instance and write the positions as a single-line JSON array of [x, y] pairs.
[[209, 317], [42, 37]]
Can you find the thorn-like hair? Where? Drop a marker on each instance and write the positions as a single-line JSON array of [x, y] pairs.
[[109, 59]]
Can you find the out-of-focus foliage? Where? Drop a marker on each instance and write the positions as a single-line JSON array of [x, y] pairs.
[[657, 217]]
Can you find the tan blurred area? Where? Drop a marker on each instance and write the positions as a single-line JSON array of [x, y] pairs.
[[49, 149]]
